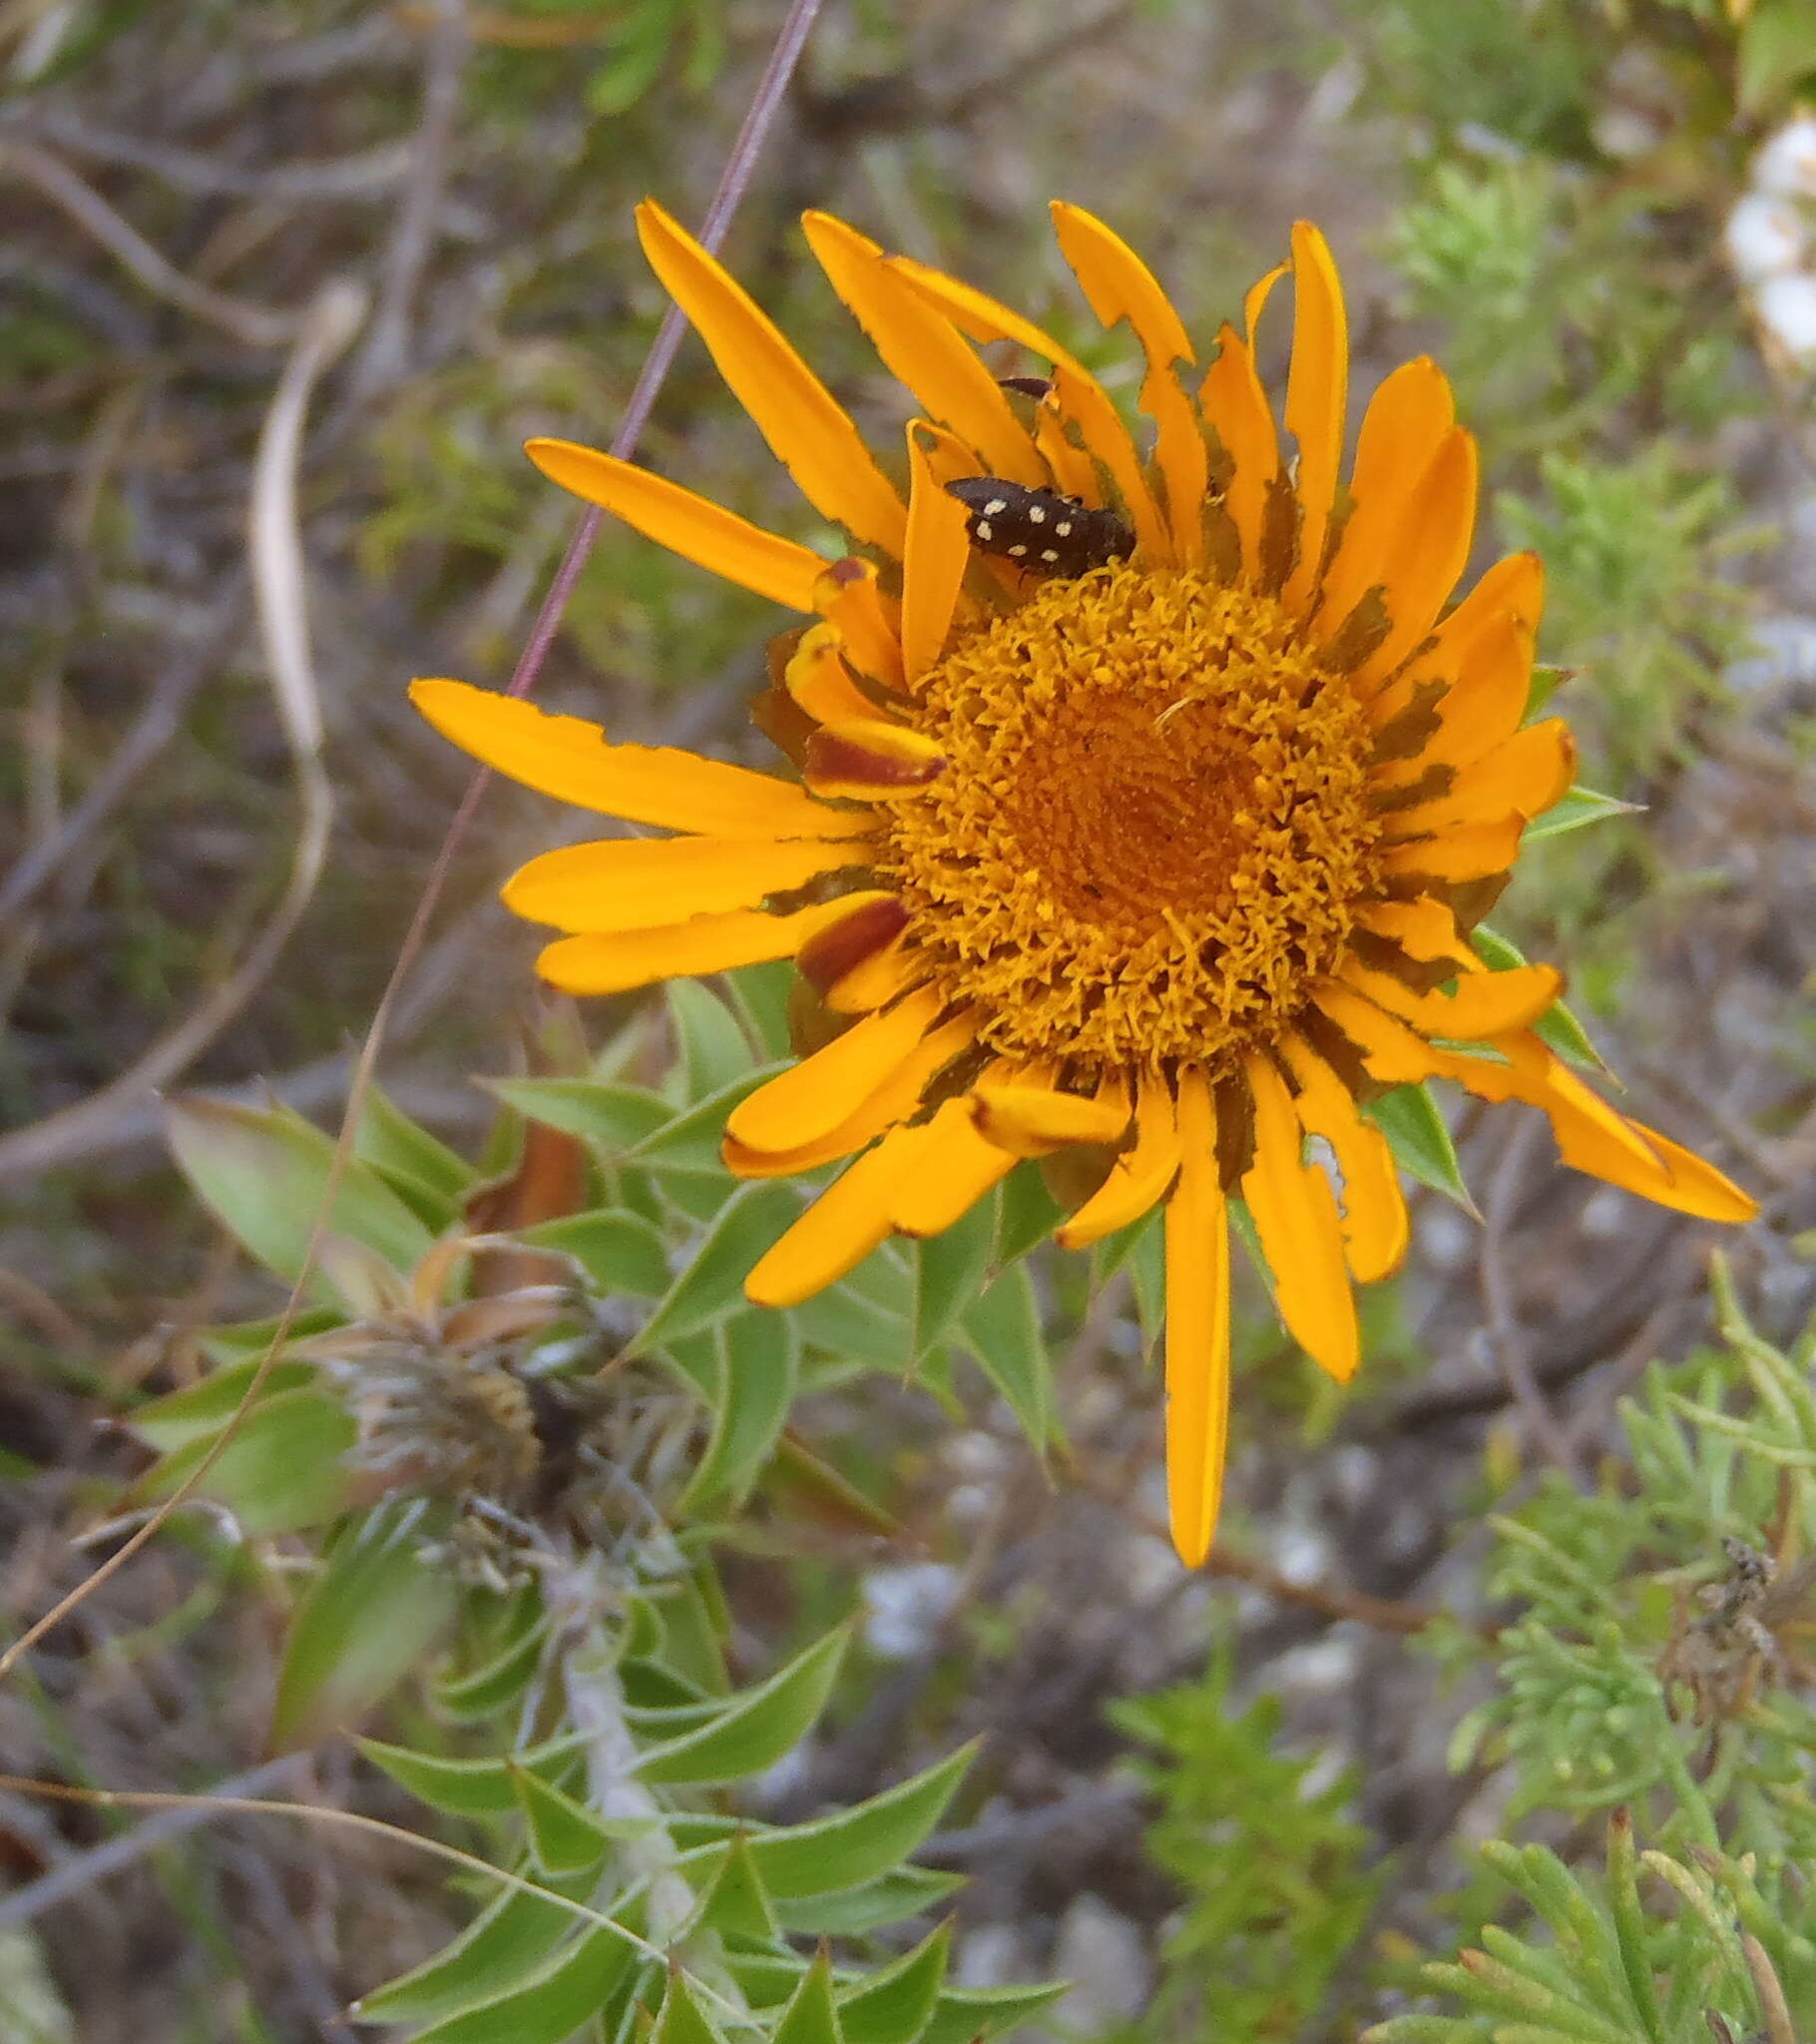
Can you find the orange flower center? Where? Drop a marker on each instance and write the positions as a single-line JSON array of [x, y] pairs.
[[1153, 826]]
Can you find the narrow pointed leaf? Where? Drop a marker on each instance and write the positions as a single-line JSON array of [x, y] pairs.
[[949, 1270], [617, 1117], [856, 1912], [712, 1284], [1420, 1140], [738, 1903], [1002, 1329], [490, 1684], [399, 1148], [689, 1145], [552, 2004], [620, 1252], [1027, 1212], [864, 1842], [760, 1373], [843, 1322], [468, 1787], [758, 1726], [1557, 1026], [265, 1172], [565, 1836], [366, 1621], [1580, 808], [965, 2014], [504, 1946], [895, 2005], [811, 2016], [714, 1050], [200, 1410]]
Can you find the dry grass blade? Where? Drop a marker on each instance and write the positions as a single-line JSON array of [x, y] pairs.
[[274, 530]]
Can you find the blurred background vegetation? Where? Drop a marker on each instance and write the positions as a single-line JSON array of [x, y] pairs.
[[1240, 1805]]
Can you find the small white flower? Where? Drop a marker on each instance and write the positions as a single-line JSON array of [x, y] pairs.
[[1786, 309], [1765, 238], [1788, 164]]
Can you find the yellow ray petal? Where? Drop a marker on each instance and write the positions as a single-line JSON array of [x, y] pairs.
[[1590, 1134], [613, 961], [1317, 389], [642, 883], [848, 1220], [1073, 470], [1484, 651], [868, 621], [1592, 1137], [693, 527], [876, 981], [1141, 1176], [1470, 851], [933, 567], [1375, 1226], [951, 1172], [572, 761], [1235, 407], [1484, 1003], [1423, 928], [819, 681], [1197, 1330], [1427, 551], [1407, 422], [1295, 1216], [869, 759], [949, 460], [1489, 687], [873, 923], [1525, 773], [921, 349], [1079, 395], [893, 1102], [1683, 1181], [802, 421], [1120, 285], [1523, 1068], [1034, 1121], [1391, 1052], [813, 1097]]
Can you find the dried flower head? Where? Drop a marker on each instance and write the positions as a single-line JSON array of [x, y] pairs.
[[452, 1399]]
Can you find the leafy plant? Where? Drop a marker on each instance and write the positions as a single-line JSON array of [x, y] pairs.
[[1650, 1687], [511, 1421], [1272, 1869]]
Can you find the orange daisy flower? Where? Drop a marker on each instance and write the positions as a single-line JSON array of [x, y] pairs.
[[1145, 801]]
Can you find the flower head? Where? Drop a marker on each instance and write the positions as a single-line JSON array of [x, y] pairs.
[[1145, 802]]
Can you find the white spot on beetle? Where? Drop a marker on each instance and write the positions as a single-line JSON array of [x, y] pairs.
[[983, 529], [995, 507], [1016, 553], [1050, 555], [1035, 516], [1063, 530]]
